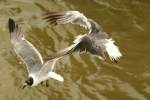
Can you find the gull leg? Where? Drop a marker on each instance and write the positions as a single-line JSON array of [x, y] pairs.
[[47, 85], [41, 83]]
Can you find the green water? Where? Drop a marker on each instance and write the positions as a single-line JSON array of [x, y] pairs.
[[86, 77]]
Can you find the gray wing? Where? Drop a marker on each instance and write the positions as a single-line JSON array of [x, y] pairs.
[[61, 53], [74, 17], [67, 50], [47, 71], [96, 31], [48, 67], [24, 49], [82, 43]]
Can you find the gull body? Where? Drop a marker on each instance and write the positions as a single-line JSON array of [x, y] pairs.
[[95, 41]]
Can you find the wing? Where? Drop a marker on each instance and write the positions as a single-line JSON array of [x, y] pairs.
[[47, 69], [24, 49], [61, 53], [96, 30], [74, 17], [67, 50]]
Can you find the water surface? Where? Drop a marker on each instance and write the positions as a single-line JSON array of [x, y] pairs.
[[86, 77]]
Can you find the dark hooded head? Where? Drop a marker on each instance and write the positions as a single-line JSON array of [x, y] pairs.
[[28, 82]]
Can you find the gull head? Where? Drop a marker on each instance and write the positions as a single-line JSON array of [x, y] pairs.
[[28, 82]]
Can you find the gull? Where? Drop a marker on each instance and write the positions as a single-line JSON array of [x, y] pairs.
[[95, 41], [38, 70]]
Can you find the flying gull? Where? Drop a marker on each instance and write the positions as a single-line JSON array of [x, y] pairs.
[[38, 70], [95, 41]]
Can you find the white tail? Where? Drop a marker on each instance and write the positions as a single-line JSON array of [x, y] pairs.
[[112, 50], [56, 76]]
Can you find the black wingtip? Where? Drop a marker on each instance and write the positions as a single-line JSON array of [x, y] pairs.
[[11, 25]]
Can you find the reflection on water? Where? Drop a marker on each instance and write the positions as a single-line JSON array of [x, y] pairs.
[[86, 78]]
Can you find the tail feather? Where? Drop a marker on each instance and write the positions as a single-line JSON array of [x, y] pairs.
[[56, 76], [112, 50]]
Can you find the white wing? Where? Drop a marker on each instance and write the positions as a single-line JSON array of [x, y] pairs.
[[24, 49], [74, 17]]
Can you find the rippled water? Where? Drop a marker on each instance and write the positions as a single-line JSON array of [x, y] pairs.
[[86, 78]]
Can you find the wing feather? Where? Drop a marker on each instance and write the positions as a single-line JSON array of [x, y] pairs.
[[74, 17], [24, 49], [67, 50]]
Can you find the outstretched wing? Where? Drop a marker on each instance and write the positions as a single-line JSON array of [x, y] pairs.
[[47, 69], [74, 17], [67, 50], [48, 66], [61, 53], [24, 49]]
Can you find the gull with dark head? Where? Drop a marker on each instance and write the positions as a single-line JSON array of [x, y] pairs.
[[95, 41], [38, 70]]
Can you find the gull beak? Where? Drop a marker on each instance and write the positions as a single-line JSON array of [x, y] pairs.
[[24, 85]]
